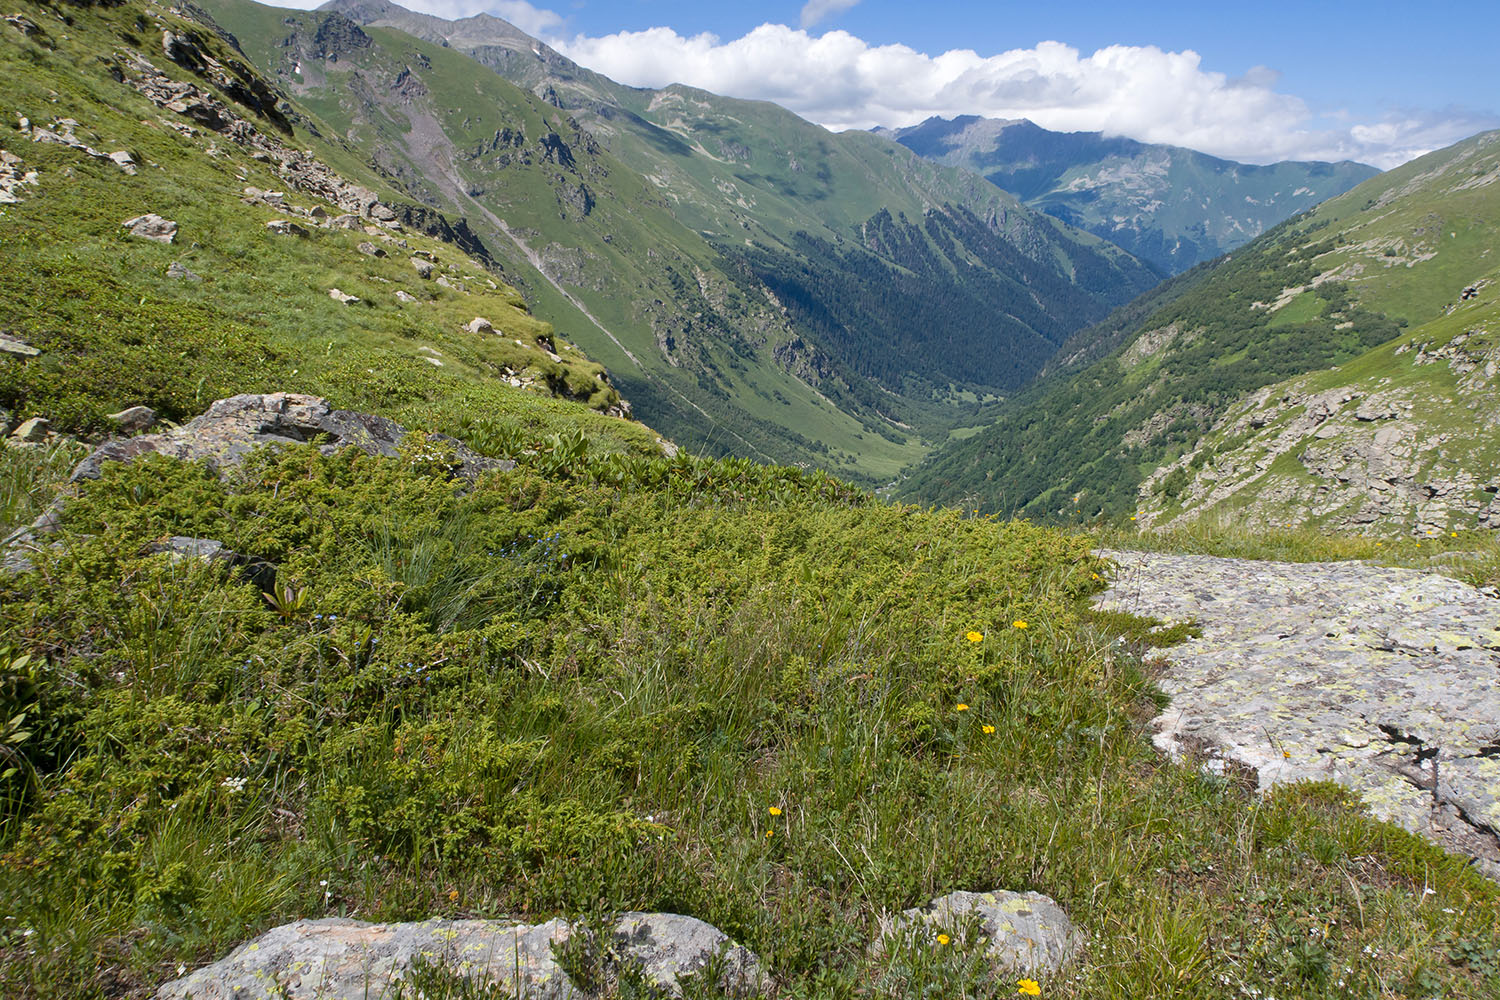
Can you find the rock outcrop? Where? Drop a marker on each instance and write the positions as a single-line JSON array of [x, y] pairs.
[[337, 959], [1384, 680]]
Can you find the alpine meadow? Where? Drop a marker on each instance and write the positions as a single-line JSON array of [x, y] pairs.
[[477, 528]]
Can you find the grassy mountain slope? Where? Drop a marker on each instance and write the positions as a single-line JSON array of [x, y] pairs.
[[1314, 293], [755, 283], [1406, 438], [1171, 206], [115, 329]]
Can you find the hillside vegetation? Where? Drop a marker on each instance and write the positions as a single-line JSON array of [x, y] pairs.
[[1393, 254], [756, 284]]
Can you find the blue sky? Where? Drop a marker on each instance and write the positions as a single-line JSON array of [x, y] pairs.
[[1374, 80]]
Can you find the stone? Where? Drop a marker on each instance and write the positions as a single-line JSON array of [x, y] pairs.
[[13, 177], [402, 296], [382, 213], [285, 227], [124, 161], [178, 271], [181, 548], [423, 267], [21, 349], [346, 221], [479, 325], [232, 427], [1384, 680], [667, 946], [340, 959], [344, 297], [152, 227], [134, 418], [457, 286], [1026, 931], [31, 431], [370, 250]]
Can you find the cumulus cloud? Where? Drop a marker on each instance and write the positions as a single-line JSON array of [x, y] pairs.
[[841, 81], [816, 10]]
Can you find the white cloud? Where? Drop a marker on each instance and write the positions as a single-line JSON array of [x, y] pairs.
[[522, 14], [841, 81], [817, 10]]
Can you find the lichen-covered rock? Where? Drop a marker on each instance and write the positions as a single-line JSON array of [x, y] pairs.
[[1025, 931], [668, 945], [336, 959], [152, 227], [134, 418], [1384, 680]]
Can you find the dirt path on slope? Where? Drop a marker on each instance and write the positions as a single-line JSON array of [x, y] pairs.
[[1384, 680]]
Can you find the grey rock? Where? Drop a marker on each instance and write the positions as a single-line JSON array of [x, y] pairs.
[[479, 325], [232, 427], [423, 267], [1386, 681], [152, 227], [31, 431], [667, 946], [344, 297], [181, 547], [371, 250], [124, 161], [346, 221], [457, 286], [286, 227], [402, 296], [13, 177], [19, 348], [134, 418], [1025, 931], [178, 271], [382, 213], [336, 959]]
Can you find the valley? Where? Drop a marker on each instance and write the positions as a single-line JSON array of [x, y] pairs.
[[473, 528]]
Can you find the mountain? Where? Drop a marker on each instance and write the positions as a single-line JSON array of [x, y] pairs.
[[754, 283], [176, 231], [1385, 425], [1170, 206]]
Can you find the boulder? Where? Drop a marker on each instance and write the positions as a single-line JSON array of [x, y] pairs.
[[285, 227], [181, 547], [123, 160], [339, 959], [178, 271], [134, 418], [344, 297], [232, 427], [402, 296], [31, 431], [479, 325], [346, 221], [666, 946], [152, 227], [1024, 931], [423, 267], [370, 250]]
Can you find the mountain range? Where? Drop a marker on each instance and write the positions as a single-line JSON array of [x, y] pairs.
[[1170, 206]]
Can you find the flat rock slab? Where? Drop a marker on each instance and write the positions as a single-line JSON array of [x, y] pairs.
[[1384, 680], [338, 959]]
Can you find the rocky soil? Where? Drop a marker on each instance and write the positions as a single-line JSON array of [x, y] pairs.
[[1384, 680]]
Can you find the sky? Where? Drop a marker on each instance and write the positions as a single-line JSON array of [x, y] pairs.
[[1257, 81]]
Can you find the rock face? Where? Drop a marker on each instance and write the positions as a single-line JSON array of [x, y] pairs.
[[335, 959], [1384, 680], [1026, 931]]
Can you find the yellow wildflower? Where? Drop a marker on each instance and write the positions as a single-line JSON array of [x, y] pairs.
[[770, 834], [943, 939], [987, 729], [1019, 623], [975, 636], [1029, 988], [452, 895], [775, 810], [960, 707]]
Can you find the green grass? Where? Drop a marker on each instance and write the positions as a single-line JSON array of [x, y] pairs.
[[551, 695]]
